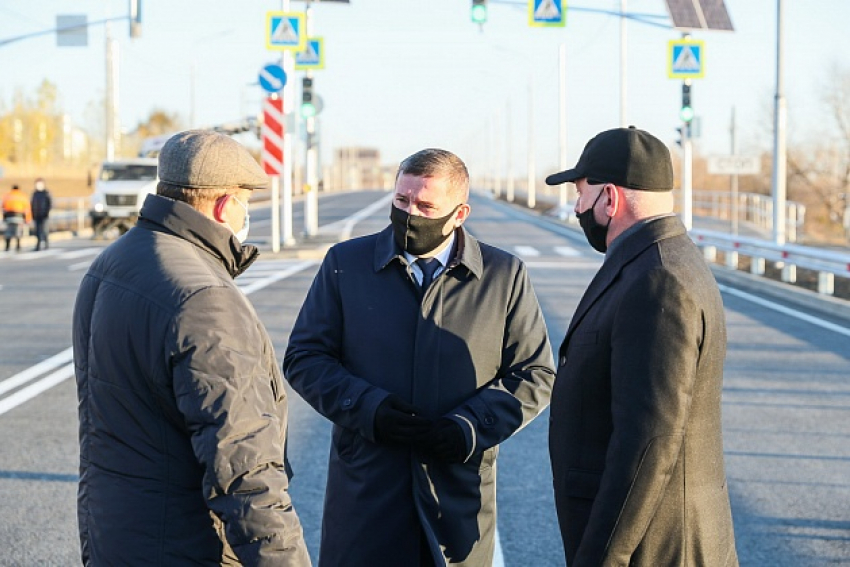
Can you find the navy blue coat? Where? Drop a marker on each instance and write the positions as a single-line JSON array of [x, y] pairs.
[[474, 349]]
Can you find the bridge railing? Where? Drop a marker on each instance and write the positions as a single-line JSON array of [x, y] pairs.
[[828, 264]]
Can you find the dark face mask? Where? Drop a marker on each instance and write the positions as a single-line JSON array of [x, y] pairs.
[[418, 235], [595, 233]]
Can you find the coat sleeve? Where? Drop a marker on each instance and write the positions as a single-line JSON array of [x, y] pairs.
[[523, 384], [657, 335], [313, 361], [231, 396]]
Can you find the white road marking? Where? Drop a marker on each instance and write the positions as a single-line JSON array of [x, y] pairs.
[[79, 266], [786, 311], [36, 255], [80, 253], [36, 370], [563, 264], [66, 355], [526, 251], [498, 558], [346, 225], [568, 251], [35, 389], [277, 276]]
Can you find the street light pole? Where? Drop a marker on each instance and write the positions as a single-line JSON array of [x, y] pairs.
[[779, 148]]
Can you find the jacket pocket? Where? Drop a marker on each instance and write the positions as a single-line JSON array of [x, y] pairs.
[[343, 441], [582, 483]]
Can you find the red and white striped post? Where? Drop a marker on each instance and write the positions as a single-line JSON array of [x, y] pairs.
[[273, 151], [273, 135]]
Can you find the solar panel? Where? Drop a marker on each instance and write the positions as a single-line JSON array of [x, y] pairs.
[[699, 14]]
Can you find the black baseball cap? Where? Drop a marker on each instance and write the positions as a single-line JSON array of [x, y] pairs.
[[628, 157]]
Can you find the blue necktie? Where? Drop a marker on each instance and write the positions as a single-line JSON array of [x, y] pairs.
[[428, 266]]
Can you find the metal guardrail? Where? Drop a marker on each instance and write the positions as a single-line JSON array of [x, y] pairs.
[[827, 264]]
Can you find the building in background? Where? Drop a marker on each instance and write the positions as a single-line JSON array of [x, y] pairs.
[[357, 168]]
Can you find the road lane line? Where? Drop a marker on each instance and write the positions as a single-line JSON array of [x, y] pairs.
[[348, 223], [37, 388], [257, 285], [568, 251], [526, 251], [79, 266], [36, 255], [786, 311], [36, 370], [80, 253]]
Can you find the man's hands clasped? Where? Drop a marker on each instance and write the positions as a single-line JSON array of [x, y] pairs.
[[401, 424]]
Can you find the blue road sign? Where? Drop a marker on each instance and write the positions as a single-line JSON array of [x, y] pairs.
[[285, 30], [272, 78], [547, 13], [685, 59], [313, 55]]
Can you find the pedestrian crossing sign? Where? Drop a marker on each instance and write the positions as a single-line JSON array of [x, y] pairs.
[[285, 30], [685, 59], [312, 56], [547, 13]]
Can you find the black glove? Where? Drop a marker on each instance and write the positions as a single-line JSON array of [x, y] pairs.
[[399, 423], [444, 442]]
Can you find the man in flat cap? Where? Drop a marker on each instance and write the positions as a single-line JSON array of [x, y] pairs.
[[635, 432], [182, 408]]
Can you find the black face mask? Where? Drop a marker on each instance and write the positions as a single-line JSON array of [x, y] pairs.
[[595, 233], [418, 235]]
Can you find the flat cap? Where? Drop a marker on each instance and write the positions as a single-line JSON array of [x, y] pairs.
[[627, 157], [204, 159]]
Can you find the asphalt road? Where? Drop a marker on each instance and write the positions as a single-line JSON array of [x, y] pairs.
[[786, 397]]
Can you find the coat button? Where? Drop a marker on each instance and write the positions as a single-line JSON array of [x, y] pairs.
[[346, 402], [489, 420], [562, 361]]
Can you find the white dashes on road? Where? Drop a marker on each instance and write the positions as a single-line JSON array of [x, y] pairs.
[[526, 251], [567, 251]]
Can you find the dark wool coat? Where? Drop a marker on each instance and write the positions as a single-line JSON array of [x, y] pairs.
[[474, 350], [182, 407], [635, 432]]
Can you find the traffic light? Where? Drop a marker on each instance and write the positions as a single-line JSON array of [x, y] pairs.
[[479, 11], [687, 111], [308, 105]]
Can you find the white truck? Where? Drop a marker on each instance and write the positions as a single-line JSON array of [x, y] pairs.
[[119, 191]]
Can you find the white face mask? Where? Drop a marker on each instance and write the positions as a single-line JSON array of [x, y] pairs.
[[242, 235]]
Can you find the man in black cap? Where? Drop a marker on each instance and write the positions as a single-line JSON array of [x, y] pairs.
[[635, 431], [182, 408]]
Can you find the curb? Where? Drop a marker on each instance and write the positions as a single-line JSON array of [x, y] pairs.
[[825, 305]]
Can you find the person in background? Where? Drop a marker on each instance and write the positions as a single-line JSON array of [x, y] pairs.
[[182, 407], [426, 348], [16, 214], [41, 204], [635, 431]]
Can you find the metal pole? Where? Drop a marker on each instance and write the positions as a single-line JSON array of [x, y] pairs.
[[779, 152], [733, 209], [623, 64], [111, 94], [530, 193], [497, 146], [509, 166], [311, 201], [562, 114]]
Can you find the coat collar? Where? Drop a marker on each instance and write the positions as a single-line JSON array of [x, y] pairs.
[[633, 245], [468, 251], [162, 214]]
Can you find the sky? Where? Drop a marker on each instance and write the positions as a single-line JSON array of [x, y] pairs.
[[403, 75]]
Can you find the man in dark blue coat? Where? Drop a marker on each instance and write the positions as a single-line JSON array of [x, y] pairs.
[[426, 348], [635, 429]]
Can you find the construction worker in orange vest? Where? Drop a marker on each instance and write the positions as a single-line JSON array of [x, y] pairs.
[[16, 213]]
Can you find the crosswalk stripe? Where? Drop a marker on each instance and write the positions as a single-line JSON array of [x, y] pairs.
[[526, 251], [80, 253], [568, 251]]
